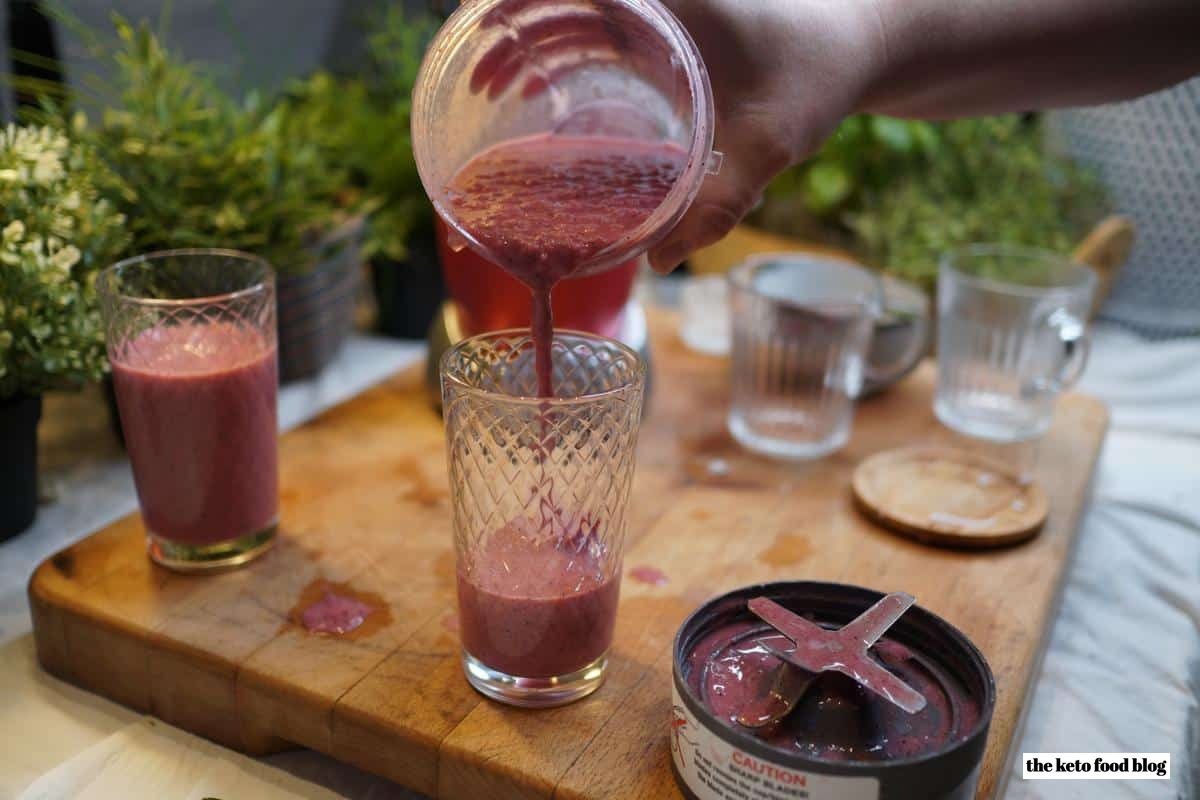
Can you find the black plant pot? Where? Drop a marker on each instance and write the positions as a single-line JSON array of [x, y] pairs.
[[409, 293], [19, 417]]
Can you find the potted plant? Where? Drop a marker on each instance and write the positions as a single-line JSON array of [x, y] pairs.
[[59, 230], [364, 125], [205, 169], [899, 194]]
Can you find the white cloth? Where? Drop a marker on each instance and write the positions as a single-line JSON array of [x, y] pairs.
[[1120, 673]]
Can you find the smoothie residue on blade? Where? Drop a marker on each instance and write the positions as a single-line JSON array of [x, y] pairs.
[[835, 719]]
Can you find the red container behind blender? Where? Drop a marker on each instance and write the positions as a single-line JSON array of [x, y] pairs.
[[489, 299]]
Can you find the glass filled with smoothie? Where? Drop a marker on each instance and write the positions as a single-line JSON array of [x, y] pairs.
[[540, 489], [192, 343]]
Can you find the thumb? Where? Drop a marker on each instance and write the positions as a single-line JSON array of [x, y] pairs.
[[751, 161]]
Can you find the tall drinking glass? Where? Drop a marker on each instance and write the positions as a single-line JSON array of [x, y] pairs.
[[191, 340], [540, 489], [1012, 334]]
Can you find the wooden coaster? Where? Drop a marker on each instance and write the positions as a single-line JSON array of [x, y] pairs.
[[949, 497]]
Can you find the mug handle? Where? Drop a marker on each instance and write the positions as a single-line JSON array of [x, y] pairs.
[[1076, 348], [916, 349]]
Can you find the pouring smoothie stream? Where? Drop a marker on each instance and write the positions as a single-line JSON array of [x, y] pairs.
[[546, 204]]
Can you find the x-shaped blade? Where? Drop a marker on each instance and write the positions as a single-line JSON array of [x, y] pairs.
[[844, 650]]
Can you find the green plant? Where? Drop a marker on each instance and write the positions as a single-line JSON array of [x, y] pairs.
[[205, 169], [902, 193], [993, 181], [58, 231], [365, 124], [861, 157]]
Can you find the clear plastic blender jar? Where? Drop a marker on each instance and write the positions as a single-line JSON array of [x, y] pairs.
[[506, 69]]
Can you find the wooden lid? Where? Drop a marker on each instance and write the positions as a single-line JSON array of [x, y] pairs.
[[949, 497]]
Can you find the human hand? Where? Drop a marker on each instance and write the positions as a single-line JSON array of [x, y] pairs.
[[784, 74]]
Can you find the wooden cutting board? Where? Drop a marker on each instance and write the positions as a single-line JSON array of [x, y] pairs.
[[364, 507]]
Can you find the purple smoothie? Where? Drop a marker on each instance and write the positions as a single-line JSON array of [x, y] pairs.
[[198, 407], [836, 720], [536, 607], [544, 205]]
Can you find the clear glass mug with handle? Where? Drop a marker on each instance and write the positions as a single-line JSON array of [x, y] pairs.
[[1012, 335], [501, 70], [802, 328]]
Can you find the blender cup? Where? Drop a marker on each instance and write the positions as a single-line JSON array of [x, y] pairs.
[[505, 69]]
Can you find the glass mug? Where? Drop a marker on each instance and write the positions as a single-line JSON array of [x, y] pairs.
[[540, 490], [1012, 335], [192, 342], [501, 70], [802, 329]]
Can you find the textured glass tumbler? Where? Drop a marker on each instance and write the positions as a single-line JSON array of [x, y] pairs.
[[191, 340], [1012, 334], [802, 327], [540, 489]]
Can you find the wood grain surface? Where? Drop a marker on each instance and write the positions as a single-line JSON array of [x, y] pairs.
[[364, 508], [950, 497]]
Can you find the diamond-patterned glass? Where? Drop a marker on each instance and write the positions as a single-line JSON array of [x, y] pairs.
[[179, 287], [558, 468], [192, 341]]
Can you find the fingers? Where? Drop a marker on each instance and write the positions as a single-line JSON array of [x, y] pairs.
[[716, 211], [752, 158]]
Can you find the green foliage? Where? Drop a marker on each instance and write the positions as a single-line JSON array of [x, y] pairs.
[[993, 182], [204, 169], [906, 192], [59, 230], [863, 155], [365, 125]]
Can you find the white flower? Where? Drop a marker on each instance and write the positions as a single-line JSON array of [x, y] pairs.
[[66, 258], [9, 175], [13, 231], [33, 246], [70, 201], [47, 169]]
